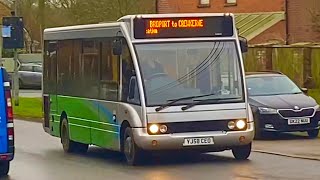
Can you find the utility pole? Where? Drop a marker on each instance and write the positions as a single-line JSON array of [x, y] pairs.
[[16, 65]]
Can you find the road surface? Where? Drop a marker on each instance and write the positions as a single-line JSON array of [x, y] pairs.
[[40, 157]]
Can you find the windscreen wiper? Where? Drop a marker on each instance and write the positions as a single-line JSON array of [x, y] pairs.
[[197, 102], [172, 101]]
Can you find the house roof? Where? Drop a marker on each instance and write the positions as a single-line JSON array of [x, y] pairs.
[[251, 25]]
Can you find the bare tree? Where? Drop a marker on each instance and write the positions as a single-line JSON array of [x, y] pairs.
[[315, 15], [40, 14], [95, 11]]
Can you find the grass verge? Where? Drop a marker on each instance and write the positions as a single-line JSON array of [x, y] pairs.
[[28, 109]]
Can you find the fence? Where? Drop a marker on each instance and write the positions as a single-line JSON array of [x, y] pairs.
[[300, 63]]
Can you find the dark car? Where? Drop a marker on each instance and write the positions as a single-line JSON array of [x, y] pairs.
[[279, 105]]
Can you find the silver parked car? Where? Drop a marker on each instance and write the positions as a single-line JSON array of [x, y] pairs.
[[30, 75]]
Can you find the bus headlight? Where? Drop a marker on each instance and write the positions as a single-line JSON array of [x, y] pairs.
[[154, 128], [241, 124], [231, 124], [163, 128]]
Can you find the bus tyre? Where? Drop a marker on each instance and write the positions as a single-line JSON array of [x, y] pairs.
[[68, 145], [131, 151], [313, 133], [4, 168], [242, 152]]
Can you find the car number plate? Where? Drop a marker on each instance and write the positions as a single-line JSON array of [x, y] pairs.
[[298, 121], [198, 141]]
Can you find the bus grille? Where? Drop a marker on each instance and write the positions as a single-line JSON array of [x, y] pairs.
[[198, 126]]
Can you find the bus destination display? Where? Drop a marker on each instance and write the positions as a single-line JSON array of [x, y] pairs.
[[148, 28]]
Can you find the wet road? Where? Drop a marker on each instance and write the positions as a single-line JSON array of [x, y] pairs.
[[40, 157]]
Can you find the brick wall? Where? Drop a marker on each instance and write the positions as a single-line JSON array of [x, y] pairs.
[[243, 6], [275, 33], [299, 21]]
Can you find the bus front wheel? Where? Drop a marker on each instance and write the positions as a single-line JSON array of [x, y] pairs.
[[132, 152], [68, 145], [4, 168], [242, 152]]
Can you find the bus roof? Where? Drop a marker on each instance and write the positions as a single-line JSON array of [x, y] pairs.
[[207, 25], [82, 31], [77, 27]]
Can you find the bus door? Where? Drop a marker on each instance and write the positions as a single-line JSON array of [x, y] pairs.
[[3, 115], [50, 87]]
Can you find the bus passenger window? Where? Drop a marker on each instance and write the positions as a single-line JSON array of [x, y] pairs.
[[89, 68], [109, 78]]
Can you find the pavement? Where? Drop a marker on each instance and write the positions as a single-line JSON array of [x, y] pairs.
[[290, 145], [30, 93], [39, 156]]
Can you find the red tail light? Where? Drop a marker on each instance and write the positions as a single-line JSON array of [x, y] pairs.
[[10, 126], [9, 107]]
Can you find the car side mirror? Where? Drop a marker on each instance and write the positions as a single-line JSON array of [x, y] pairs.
[[243, 44], [117, 47], [304, 90], [132, 88]]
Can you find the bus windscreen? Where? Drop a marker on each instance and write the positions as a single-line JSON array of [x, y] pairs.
[[183, 27]]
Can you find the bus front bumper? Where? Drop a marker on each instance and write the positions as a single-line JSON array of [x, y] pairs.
[[222, 140]]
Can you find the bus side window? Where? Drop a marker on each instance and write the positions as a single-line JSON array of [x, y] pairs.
[[128, 77], [109, 77]]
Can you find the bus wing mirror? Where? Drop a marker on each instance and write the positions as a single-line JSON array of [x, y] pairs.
[[117, 47], [243, 44], [132, 88]]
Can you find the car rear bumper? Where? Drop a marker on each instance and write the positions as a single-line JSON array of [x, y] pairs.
[[222, 140]]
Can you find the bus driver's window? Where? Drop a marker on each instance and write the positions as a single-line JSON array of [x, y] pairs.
[[128, 73]]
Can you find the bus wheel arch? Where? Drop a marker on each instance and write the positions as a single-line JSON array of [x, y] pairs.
[[69, 146]]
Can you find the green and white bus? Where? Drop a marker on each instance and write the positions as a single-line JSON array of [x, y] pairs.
[[148, 83]]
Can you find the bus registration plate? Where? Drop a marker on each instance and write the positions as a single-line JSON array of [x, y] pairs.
[[198, 141]]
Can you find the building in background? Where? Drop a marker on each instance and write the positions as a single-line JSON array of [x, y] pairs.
[[260, 21]]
